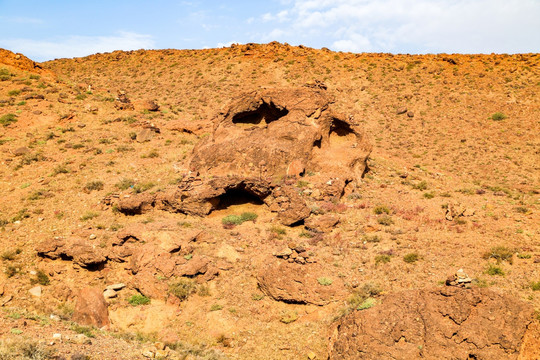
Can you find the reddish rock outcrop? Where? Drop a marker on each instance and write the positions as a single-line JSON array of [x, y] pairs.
[[77, 250], [91, 308], [302, 284], [440, 323], [273, 132]]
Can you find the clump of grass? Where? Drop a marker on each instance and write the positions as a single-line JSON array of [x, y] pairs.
[[411, 258], [289, 317], [379, 210], [324, 281], [362, 298], [14, 92], [60, 169], [8, 119], [11, 271], [85, 330], [385, 220], [232, 220], [422, 185], [94, 185], [382, 259], [278, 230], [151, 155], [535, 286], [500, 254], [182, 288], [125, 184], [89, 215], [498, 116], [41, 278], [9, 255], [139, 188], [494, 270], [257, 297], [371, 239], [138, 299], [216, 307], [521, 209], [21, 215], [429, 195]]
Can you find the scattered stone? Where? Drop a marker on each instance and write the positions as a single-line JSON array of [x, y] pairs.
[[91, 308], [81, 339], [57, 336], [460, 278], [145, 135], [116, 287], [145, 105], [35, 291], [410, 114], [322, 223], [401, 110], [457, 210], [109, 294], [21, 151]]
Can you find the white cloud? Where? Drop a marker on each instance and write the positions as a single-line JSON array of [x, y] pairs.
[[470, 26], [22, 20], [227, 44], [76, 46]]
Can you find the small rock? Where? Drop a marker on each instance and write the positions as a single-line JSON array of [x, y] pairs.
[[57, 336], [109, 294], [116, 287], [283, 253], [54, 317], [401, 110], [21, 151], [81, 339], [35, 291], [311, 355], [162, 354], [148, 353], [159, 345], [92, 236], [410, 114]]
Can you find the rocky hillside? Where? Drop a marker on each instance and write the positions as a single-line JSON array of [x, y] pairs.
[[269, 202]]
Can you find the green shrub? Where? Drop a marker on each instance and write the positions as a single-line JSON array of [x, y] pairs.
[[138, 299], [94, 185], [411, 258], [41, 278], [422, 185], [232, 220], [139, 188], [216, 307], [371, 239], [385, 220], [125, 184], [498, 116], [14, 92], [381, 210], [182, 288], [366, 304], [500, 253], [382, 259], [85, 330], [60, 169], [89, 215], [324, 281], [535, 286], [494, 270], [8, 119]]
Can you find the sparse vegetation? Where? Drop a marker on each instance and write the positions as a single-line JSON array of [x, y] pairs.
[[382, 259], [232, 220], [94, 185], [138, 299], [381, 210], [182, 288], [500, 254], [498, 116], [324, 281], [411, 258], [494, 270], [8, 119]]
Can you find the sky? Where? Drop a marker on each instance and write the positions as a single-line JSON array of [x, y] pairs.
[[48, 29]]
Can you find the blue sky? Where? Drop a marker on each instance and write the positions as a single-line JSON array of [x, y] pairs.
[[49, 29]]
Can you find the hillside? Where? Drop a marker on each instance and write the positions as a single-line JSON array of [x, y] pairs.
[[452, 182]]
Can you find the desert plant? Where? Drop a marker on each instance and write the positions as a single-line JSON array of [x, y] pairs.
[[8, 119], [182, 288], [382, 259], [324, 281], [500, 253], [89, 215], [94, 185], [125, 184], [385, 220], [535, 286], [216, 307], [139, 188], [14, 92], [498, 116], [494, 270], [381, 210], [411, 258], [138, 299]]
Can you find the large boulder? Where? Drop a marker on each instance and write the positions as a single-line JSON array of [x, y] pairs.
[[91, 308], [78, 250], [300, 284], [278, 132], [439, 323]]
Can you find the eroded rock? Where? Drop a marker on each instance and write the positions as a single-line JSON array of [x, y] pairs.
[[439, 323], [91, 308]]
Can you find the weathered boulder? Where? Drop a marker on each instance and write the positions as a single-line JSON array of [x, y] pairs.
[[295, 283], [440, 323], [75, 249], [91, 308], [270, 132], [145, 105], [322, 223]]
